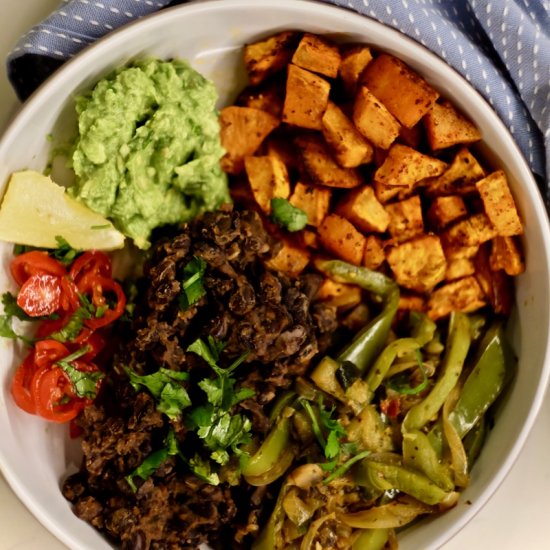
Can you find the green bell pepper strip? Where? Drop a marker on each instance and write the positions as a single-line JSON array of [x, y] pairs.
[[419, 454], [494, 368], [458, 344], [371, 339], [474, 440], [371, 539], [384, 476], [270, 451]]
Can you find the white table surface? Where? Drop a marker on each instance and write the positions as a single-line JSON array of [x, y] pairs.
[[516, 516]]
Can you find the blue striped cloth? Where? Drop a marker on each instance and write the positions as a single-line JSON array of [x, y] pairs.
[[502, 47]]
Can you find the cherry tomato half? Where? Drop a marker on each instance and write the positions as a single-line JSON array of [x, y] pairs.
[[40, 295], [54, 396], [92, 261], [35, 262], [100, 289], [21, 384], [47, 352]]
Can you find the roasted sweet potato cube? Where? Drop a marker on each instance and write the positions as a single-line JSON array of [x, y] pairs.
[[373, 120], [472, 231], [457, 252], [407, 96], [340, 295], [306, 98], [317, 55], [445, 127], [320, 167], [463, 295], [447, 209], [411, 136], [362, 209], [499, 204], [268, 178], [374, 255], [461, 267], [349, 147], [339, 237], [411, 302], [418, 264], [497, 285], [459, 178], [405, 166], [309, 238], [313, 200], [406, 219], [506, 254], [385, 193], [267, 96], [277, 144], [354, 61], [289, 259], [270, 55], [242, 131]]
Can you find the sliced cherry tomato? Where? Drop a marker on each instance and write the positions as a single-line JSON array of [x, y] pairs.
[[100, 289], [93, 339], [40, 295], [54, 396], [49, 326], [92, 261], [21, 384], [35, 262], [69, 295], [47, 352]]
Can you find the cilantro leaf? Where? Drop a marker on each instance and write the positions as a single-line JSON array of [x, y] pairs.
[[209, 350], [84, 383], [403, 387], [286, 215], [166, 387], [11, 310], [203, 470], [192, 286], [64, 252]]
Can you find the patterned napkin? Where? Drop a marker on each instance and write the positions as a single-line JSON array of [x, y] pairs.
[[502, 47]]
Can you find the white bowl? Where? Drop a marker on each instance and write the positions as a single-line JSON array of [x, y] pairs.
[[35, 455]]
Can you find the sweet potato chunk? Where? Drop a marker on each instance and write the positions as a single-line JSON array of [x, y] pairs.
[[320, 166], [446, 127], [411, 302], [405, 166], [339, 237], [406, 219], [373, 120], [290, 259], [362, 209], [268, 178], [418, 264], [268, 96], [270, 55], [313, 200], [354, 61], [444, 210], [406, 95], [349, 147], [459, 178], [306, 98], [499, 204], [472, 231], [506, 254], [340, 295], [374, 255], [461, 267], [242, 131], [317, 55], [463, 295]]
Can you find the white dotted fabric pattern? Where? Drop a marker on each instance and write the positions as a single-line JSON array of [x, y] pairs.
[[502, 47]]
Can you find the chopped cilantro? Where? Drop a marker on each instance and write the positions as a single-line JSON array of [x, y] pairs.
[[11, 310], [192, 285], [341, 470], [404, 387], [64, 252], [286, 215], [216, 426], [167, 388], [84, 383]]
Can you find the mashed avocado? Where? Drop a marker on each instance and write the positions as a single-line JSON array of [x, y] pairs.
[[148, 148]]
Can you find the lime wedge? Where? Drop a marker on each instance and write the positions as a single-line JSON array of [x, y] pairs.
[[35, 210]]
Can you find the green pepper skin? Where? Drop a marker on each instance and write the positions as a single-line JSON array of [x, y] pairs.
[[371, 539], [458, 344], [369, 342], [485, 383]]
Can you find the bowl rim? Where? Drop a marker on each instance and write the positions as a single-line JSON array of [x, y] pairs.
[[67, 73]]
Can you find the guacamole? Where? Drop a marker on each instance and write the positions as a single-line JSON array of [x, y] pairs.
[[148, 148]]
